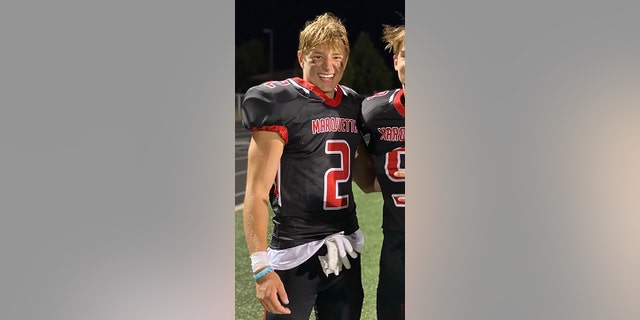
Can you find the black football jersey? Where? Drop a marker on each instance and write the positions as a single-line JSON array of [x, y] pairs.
[[383, 116], [311, 196]]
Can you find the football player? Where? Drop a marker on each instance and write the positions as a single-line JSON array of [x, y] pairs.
[[305, 133], [383, 115]]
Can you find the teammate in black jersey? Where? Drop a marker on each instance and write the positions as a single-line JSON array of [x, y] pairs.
[[383, 115], [305, 135]]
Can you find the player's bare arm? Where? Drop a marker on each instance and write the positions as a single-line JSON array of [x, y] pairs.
[[264, 154], [364, 171]]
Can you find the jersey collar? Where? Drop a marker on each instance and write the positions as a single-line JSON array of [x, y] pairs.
[[397, 101], [330, 102]]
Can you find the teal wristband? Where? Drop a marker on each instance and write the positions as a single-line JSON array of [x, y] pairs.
[[262, 273]]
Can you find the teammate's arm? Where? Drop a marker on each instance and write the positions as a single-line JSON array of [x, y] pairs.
[[265, 150], [364, 174], [400, 174]]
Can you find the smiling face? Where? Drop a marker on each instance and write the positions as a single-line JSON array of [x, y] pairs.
[[323, 66], [323, 50]]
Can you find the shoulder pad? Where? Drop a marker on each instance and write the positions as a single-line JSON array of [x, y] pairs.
[[264, 104]]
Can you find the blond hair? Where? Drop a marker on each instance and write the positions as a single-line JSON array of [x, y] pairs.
[[324, 29], [393, 36]]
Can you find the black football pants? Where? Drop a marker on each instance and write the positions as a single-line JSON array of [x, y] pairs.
[[334, 298], [390, 293]]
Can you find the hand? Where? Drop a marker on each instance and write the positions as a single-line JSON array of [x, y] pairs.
[[400, 174], [270, 291]]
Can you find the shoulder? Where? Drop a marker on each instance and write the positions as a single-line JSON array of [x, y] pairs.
[[270, 103], [378, 99], [378, 103], [381, 96], [272, 96], [271, 91], [348, 91], [350, 94]]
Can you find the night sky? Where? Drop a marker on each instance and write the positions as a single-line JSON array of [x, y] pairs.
[[286, 19]]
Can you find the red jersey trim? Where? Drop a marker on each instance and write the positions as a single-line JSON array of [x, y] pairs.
[[330, 102], [279, 129], [397, 102]]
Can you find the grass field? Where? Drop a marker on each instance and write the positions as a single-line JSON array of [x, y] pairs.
[[369, 207]]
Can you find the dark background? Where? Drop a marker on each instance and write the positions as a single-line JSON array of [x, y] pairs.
[[287, 18], [115, 194]]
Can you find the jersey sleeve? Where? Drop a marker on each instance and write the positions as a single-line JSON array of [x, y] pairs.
[[261, 112], [371, 107], [357, 99]]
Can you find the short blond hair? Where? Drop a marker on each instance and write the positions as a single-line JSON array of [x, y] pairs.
[[324, 29], [393, 36]]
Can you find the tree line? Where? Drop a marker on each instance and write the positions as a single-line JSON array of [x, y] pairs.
[[367, 70]]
